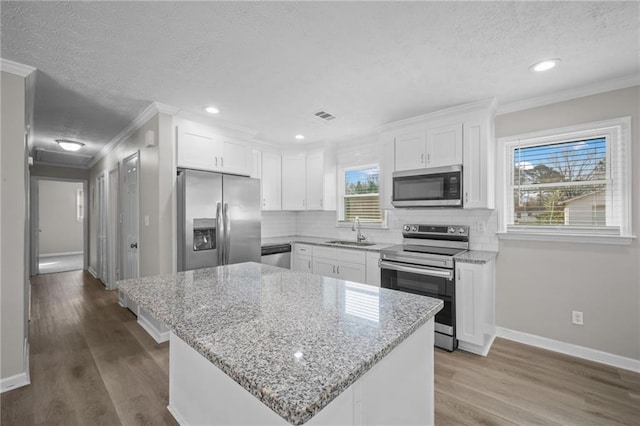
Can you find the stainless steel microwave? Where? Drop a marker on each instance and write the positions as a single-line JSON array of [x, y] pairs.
[[433, 187]]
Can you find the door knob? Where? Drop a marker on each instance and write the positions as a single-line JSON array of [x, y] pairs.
[[133, 245]]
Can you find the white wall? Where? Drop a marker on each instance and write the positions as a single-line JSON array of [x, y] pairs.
[[60, 232], [539, 284], [13, 228]]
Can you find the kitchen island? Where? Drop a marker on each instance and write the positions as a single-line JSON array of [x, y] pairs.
[[255, 344]]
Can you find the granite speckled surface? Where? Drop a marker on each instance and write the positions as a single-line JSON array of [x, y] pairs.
[[475, 256], [321, 241], [294, 340]]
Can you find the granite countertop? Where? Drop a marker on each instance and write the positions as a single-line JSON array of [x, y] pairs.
[[294, 340], [475, 256], [322, 241]]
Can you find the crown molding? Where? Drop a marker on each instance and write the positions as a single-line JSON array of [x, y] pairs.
[[566, 95], [16, 68], [226, 127], [146, 115]]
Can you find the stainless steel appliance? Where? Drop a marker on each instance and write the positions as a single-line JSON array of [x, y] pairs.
[[218, 219], [277, 255], [434, 187], [423, 264]]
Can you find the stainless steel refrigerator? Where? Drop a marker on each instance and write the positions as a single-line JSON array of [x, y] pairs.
[[218, 219]]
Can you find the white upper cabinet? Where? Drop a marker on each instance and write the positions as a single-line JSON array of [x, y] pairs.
[[199, 148], [387, 167], [410, 149], [271, 181], [478, 166], [293, 182], [315, 181], [444, 145]]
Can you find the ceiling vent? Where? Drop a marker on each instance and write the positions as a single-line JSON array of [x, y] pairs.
[[66, 158], [324, 115]]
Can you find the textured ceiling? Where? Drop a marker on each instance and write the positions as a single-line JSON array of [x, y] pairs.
[[269, 66]]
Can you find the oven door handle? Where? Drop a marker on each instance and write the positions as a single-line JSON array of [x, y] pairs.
[[420, 270]]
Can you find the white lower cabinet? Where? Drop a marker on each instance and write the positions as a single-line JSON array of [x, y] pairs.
[[373, 269], [475, 306], [349, 265], [302, 260]]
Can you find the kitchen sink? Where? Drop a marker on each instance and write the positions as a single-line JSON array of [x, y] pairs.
[[350, 243]]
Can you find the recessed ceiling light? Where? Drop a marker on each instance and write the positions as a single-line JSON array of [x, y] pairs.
[[300, 137], [69, 145], [545, 65], [211, 109]]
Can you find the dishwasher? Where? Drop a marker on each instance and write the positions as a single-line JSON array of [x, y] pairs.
[[277, 255]]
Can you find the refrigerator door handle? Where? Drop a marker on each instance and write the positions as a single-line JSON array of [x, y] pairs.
[[219, 233], [227, 233]]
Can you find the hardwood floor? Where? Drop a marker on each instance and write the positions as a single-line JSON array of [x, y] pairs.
[[92, 364]]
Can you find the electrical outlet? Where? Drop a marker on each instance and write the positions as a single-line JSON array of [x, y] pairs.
[[577, 318], [481, 226]]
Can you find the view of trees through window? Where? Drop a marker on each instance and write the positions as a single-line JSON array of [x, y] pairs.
[[361, 196], [561, 183]]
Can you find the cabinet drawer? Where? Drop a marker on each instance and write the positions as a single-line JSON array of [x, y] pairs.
[[351, 256], [324, 252], [302, 249]]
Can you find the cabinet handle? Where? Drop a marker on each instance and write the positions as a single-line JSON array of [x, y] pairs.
[[458, 277], [216, 161], [334, 269], [221, 161], [303, 203], [466, 197], [309, 263], [422, 158], [338, 268], [320, 202], [428, 158], [264, 202]]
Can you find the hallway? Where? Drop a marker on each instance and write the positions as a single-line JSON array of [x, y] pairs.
[[90, 362]]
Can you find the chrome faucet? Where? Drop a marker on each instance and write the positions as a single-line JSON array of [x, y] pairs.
[[356, 227]]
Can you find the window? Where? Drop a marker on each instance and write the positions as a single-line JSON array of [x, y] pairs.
[[359, 196], [572, 181]]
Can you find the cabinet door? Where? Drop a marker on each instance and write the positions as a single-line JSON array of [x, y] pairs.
[[315, 181], [477, 167], [387, 167], [324, 267], [373, 270], [197, 151], [351, 271], [235, 158], [271, 181], [444, 145], [469, 303], [293, 182], [410, 150], [302, 263]]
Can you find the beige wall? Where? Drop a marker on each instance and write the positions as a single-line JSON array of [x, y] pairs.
[[60, 232], [155, 245], [538, 284], [13, 221]]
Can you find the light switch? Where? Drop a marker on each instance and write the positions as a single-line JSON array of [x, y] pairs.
[[146, 220]]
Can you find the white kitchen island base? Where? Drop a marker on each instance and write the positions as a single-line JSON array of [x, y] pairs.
[[398, 390]]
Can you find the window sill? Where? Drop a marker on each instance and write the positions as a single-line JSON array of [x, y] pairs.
[[568, 238], [363, 225]]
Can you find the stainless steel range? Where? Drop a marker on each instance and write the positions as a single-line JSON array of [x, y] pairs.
[[423, 264]]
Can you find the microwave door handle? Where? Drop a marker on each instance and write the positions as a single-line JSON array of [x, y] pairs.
[[420, 270]]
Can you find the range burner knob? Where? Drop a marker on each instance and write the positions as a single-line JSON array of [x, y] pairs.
[[460, 230], [451, 230], [406, 228], [414, 228]]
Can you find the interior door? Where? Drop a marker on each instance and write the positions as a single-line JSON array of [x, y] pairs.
[[130, 216], [102, 228], [113, 263]]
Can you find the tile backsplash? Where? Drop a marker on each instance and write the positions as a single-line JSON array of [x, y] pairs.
[[483, 225]]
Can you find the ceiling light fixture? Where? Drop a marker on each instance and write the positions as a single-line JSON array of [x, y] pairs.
[[300, 137], [545, 65], [211, 109], [69, 145]]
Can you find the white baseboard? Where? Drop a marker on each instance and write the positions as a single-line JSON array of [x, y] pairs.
[[158, 335], [93, 273], [20, 379], [482, 350], [176, 415], [65, 253], [570, 349]]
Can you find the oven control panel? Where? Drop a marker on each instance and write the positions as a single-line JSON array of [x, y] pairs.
[[431, 231]]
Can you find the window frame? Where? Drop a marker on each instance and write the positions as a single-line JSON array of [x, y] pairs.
[[340, 211], [618, 145]]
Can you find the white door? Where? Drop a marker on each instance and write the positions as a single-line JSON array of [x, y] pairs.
[[444, 145], [102, 227], [130, 216], [235, 158], [113, 268], [410, 149], [315, 181], [293, 182], [271, 181]]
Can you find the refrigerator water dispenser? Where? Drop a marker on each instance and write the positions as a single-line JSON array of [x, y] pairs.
[[204, 234]]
